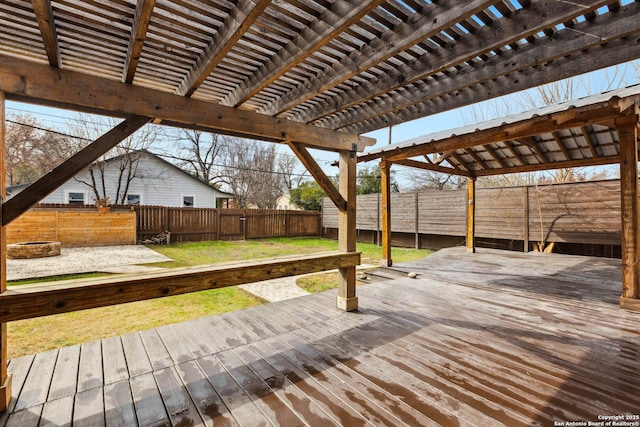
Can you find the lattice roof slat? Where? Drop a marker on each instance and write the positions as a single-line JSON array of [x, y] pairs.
[[346, 65]]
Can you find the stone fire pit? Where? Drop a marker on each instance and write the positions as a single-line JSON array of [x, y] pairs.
[[28, 250]]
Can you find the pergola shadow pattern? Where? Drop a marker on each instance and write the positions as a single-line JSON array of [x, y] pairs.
[[485, 339]]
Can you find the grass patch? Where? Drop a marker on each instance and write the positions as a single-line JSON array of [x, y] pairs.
[[41, 334], [318, 282], [56, 278], [201, 253], [45, 333]]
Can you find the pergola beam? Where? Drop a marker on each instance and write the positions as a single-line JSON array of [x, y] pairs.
[[533, 144], [141, 20], [599, 161], [514, 152], [485, 39], [431, 20], [29, 82], [241, 18], [318, 174], [529, 66], [47, 25], [335, 20], [512, 131], [24, 200], [558, 141], [431, 167]]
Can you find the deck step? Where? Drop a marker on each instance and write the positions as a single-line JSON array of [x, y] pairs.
[[381, 274]]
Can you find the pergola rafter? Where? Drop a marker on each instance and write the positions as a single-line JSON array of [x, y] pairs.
[[525, 23], [428, 22]]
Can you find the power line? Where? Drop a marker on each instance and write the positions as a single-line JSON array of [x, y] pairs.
[[327, 162], [46, 130]]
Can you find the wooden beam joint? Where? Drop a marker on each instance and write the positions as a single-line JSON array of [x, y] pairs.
[[318, 174]]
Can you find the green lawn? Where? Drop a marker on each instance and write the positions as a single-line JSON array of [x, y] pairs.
[[41, 334], [189, 254]]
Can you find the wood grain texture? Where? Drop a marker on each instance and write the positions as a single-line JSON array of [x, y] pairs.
[[65, 296], [74, 229], [585, 212], [26, 81]]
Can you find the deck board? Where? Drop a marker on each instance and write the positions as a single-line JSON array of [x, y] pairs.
[[118, 405], [135, 354], [485, 339], [90, 373], [65, 374]]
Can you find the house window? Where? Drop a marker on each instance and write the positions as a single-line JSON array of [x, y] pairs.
[[188, 201], [75, 198], [133, 199]]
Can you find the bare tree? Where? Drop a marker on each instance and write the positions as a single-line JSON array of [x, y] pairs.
[[552, 93], [196, 152], [430, 180], [252, 171], [287, 166], [125, 156], [31, 150]]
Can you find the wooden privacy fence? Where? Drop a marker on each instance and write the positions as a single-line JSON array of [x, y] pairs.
[[586, 213], [202, 224], [74, 228]]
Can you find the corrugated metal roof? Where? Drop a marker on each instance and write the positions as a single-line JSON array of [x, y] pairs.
[[592, 100]]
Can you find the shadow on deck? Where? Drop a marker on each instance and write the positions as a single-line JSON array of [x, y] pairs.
[[493, 338]]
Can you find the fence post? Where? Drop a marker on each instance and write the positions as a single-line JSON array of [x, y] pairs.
[[166, 219], [287, 223], [243, 221], [218, 223]]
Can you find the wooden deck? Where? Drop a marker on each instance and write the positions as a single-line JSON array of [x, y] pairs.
[[485, 339]]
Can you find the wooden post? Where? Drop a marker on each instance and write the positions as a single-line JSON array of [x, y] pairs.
[[5, 377], [471, 215], [347, 299], [525, 231], [385, 176], [628, 134], [378, 220], [417, 222]]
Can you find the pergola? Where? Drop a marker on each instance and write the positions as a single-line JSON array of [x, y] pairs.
[[309, 74], [592, 131]]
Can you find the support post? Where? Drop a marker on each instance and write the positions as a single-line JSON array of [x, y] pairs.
[[471, 215], [5, 377], [347, 299], [628, 134], [385, 176], [525, 217], [417, 222]]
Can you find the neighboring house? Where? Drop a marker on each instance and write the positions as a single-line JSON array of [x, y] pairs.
[[284, 203], [156, 183]]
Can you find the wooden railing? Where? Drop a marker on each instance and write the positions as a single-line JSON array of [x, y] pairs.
[[25, 302]]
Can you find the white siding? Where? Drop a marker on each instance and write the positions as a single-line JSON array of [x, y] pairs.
[[156, 182]]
